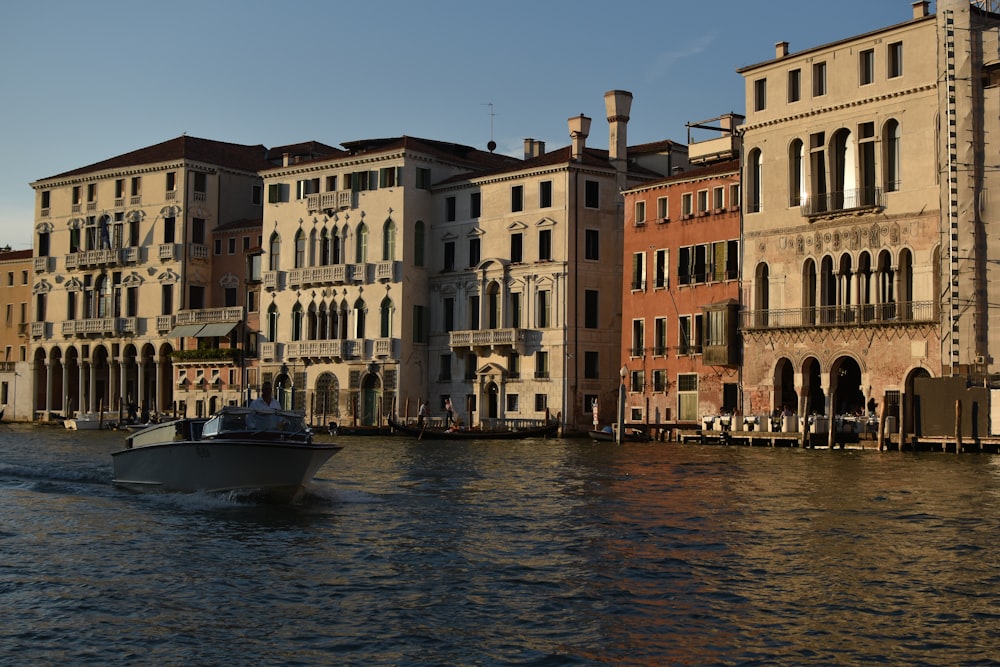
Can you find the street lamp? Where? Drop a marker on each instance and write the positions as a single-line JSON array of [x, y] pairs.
[[621, 406]]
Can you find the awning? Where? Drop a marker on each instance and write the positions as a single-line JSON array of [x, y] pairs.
[[216, 329], [185, 330]]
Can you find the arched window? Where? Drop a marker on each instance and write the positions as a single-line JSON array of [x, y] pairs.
[[493, 305], [300, 249], [361, 249], [796, 174], [312, 323], [359, 319], [891, 157], [336, 255], [754, 167], [864, 278], [102, 288], [343, 319], [385, 318], [389, 241], [297, 322], [809, 291], [844, 188], [274, 252], [325, 259], [761, 294], [827, 288], [313, 247], [272, 323], [418, 243], [323, 332], [905, 283]]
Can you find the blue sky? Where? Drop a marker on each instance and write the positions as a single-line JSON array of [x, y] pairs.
[[82, 82]]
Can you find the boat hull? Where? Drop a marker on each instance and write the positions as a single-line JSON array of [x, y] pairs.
[[277, 470]]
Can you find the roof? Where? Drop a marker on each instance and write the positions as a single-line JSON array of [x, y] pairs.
[[304, 150], [243, 223], [14, 255], [461, 154], [235, 156], [707, 171]]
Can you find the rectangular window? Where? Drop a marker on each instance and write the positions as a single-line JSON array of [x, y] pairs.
[[592, 244], [306, 187], [541, 402], [169, 229], [91, 192], [475, 205], [794, 85], [516, 252], [423, 178], [196, 297], [660, 336], [592, 194], [46, 197], [591, 365], [638, 338], [256, 195], [819, 79], [277, 192], [513, 365], [388, 177], [687, 396], [511, 402], [662, 208], [659, 380], [638, 271], [637, 383], [449, 209], [231, 245], [419, 324], [640, 213], [517, 198], [474, 257], [894, 64], [687, 205], [734, 196], [541, 365], [545, 194], [231, 297], [590, 314], [718, 198], [331, 183], [449, 256], [445, 375], [119, 188], [449, 313], [702, 201], [474, 312], [542, 319], [684, 344], [198, 230], [167, 300], [661, 269], [515, 310], [471, 365], [866, 67], [218, 246], [760, 94], [544, 245], [200, 182]]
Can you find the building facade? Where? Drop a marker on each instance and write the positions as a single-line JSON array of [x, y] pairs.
[[865, 259], [347, 252], [16, 268], [524, 293], [122, 259], [680, 298]]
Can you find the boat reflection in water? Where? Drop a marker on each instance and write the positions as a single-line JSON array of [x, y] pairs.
[[239, 449]]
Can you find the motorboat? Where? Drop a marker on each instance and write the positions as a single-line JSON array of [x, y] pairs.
[[630, 434], [88, 421], [270, 452]]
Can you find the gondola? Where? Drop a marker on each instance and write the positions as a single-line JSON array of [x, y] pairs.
[[549, 429]]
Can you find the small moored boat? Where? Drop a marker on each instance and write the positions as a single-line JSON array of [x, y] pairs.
[[238, 449], [88, 421], [516, 430]]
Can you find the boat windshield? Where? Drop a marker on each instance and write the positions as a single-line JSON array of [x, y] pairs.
[[239, 421]]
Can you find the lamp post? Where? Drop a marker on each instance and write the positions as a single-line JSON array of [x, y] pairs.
[[621, 406]]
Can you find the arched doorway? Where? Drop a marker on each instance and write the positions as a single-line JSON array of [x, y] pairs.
[[845, 387], [327, 398], [492, 401], [908, 407], [813, 388], [371, 396], [784, 382]]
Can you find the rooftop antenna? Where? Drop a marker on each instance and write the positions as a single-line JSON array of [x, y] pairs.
[[492, 145]]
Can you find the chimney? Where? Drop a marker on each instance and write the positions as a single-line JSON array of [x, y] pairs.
[[284, 159], [533, 148], [579, 130], [618, 104], [780, 49], [921, 8]]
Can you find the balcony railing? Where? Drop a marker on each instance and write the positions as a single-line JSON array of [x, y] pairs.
[[164, 322], [168, 251], [486, 338], [43, 264], [99, 325], [40, 330], [330, 200], [883, 314], [206, 315], [846, 200], [386, 271], [316, 275]]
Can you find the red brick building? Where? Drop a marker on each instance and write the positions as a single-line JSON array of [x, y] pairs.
[[680, 347]]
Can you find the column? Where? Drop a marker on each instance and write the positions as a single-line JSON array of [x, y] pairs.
[[80, 384], [48, 390]]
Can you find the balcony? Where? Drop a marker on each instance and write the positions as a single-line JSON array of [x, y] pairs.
[[316, 275], [272, 279], [271, 352], [855, 200], [44, 264], [326, 201], [168, 251], [164, 323], [383, 347], [199, 251], [86, 258], [491, 339], [316, 349], [41, 330], [100, 326], [209, 315], [386, 272], [356, 273], [886, 314]]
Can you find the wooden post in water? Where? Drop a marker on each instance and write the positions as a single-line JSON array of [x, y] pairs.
[[902, 421], [958, 427], [829, 419], [881, 424]]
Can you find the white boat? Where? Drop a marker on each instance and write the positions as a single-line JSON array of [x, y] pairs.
[[239, 449], [87, 421]]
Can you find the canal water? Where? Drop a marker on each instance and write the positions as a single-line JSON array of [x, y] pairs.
[[557, 552]]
